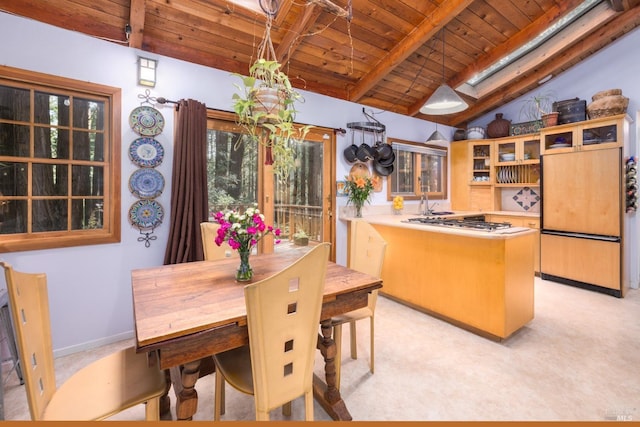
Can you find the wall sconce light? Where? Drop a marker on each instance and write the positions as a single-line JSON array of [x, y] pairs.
[[147, 71]]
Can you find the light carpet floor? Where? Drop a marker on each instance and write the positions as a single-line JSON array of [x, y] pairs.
[[579, 359]]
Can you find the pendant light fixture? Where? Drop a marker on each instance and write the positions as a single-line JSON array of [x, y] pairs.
[[436, 136], [444, 100]]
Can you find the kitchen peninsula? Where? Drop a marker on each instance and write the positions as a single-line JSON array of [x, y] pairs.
[[479, 280]]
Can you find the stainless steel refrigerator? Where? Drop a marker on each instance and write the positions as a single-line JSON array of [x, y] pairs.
[[582, 219]]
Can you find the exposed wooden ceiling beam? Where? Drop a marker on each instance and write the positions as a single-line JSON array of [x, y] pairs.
[[332, 8], [623, 5], [293, 38], [136, 21], [420, 35]]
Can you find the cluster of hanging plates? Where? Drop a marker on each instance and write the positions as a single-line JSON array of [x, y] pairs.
[[146, 183]]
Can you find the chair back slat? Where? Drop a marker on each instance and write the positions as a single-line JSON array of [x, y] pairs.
[[283, 312], [209, 231], [367, 249], [366, 253], [29, 302]]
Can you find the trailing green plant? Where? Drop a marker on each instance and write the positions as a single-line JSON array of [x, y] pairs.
[[274, 128]]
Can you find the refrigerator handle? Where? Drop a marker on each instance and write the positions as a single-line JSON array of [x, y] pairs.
[[581, 235]]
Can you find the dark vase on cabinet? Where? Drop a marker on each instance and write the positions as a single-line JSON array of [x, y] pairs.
[[460, 134], [498, 127]]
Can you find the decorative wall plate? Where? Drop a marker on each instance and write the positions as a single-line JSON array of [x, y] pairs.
[[146, 214], [146, 183], [146, 121], [146, 152]]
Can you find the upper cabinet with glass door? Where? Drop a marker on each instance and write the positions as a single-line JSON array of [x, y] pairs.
[[596, 134], [481, 162], [517, 160]]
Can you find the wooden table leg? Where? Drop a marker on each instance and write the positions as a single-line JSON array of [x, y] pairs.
[[184, 380], [165, 400], [327, 394]]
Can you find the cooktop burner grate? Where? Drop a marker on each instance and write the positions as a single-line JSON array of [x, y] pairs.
[[461, 223]]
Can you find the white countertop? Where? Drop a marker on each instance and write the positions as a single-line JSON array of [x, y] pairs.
[[397, 221]]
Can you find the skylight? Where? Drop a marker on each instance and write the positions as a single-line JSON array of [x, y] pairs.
[[536, 42]]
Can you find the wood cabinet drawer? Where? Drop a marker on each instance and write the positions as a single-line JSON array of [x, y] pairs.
[[583, 260], [516, 221]]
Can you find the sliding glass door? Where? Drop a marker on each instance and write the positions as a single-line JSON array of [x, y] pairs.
[[300, 205], [304, 201]]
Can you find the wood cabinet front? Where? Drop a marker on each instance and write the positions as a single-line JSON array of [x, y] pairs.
[[485, 284], [583, 260], [597, 134], [517, 161], [522, 221], [481, 162], [582, 192]]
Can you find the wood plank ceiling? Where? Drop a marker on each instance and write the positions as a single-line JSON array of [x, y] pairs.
[[386, 54]]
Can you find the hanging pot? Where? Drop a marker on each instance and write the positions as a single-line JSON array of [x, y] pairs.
[[383, 150], [365, 152], [351, 153], [388, 161], [382, 170]]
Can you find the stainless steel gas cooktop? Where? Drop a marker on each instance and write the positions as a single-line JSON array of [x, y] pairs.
[[469, 224]]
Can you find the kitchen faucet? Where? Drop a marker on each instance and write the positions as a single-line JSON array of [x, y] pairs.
[[424, 208]]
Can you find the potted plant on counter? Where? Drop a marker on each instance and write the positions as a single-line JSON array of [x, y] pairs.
[[300, 238]]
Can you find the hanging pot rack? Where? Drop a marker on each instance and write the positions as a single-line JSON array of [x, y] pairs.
[[379, 152], [372, 126]]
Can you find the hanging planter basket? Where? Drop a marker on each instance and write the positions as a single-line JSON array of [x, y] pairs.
[[268, 101]]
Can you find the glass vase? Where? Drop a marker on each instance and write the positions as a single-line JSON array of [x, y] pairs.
[[358, 207], [244, 273]]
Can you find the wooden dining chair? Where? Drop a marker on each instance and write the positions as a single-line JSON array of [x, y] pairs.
[[366, 254], [283, 313], [209, 231], [98, 391]]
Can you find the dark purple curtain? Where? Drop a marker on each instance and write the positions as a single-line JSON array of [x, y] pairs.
[[189, 196]]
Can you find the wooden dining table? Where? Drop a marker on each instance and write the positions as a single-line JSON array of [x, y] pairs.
[[184, 313]]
